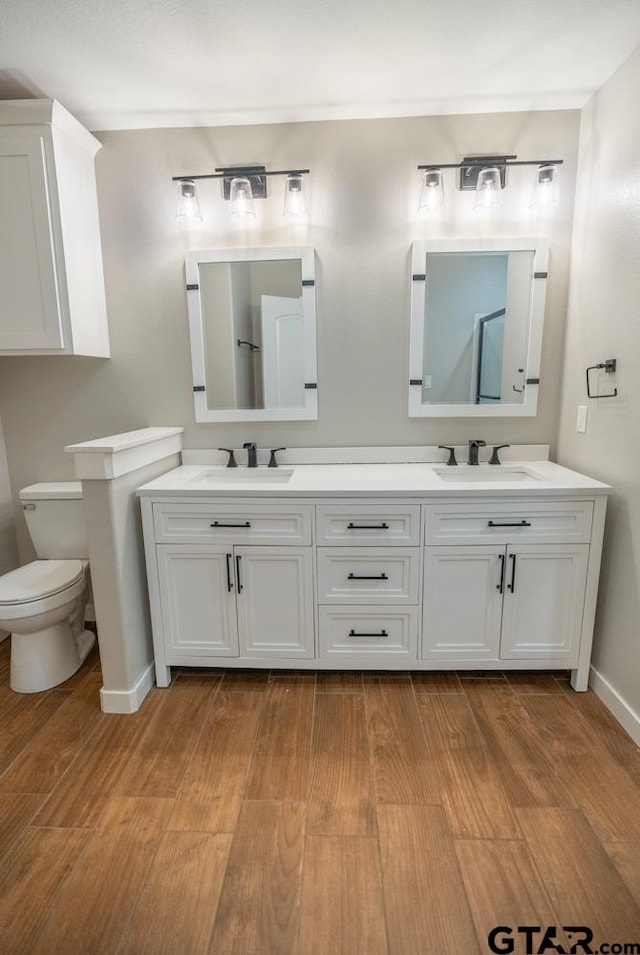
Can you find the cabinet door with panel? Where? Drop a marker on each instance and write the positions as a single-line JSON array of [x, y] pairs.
[[197, 596]]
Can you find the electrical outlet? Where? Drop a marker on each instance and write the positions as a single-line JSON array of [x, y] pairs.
[[581, 420]]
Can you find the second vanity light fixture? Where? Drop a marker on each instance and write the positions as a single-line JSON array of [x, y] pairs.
[[487, 176], [241, 186]]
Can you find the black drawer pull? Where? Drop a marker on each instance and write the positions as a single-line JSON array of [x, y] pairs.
[[222, 524], [367, 527], [238, 577], [510, 524], [363, 577], [229, 584], [380, 633]]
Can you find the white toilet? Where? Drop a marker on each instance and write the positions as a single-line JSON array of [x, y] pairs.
[[43, 603]]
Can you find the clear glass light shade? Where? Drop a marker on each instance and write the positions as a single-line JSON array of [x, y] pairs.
[[488, 188], [188, 205], [432, 191], [295, 203], [241, 196], [546, 189]]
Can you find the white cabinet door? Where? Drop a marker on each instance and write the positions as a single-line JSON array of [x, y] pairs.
[[29, 297], [462, 608], [275, 601], [197, 595], [543, 601]]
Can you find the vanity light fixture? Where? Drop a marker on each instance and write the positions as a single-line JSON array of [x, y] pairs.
[[241, 185], [486, 175]]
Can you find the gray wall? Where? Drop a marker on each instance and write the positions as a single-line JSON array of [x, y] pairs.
[[604, 322], [8, 548], [363, 195]]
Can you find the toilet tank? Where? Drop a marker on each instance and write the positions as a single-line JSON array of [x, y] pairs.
[[54, 513]]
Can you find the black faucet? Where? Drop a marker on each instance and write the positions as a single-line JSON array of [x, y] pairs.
[[473, 450], [252, 455]]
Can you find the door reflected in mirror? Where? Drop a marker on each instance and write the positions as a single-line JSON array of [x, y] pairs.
[[252, 323], [476, 326]]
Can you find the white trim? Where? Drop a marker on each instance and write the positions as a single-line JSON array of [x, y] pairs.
[[116, 455], [628, 718], [128, 701]]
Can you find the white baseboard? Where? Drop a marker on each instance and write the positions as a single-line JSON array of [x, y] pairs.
[[128, 701], [616, 704]]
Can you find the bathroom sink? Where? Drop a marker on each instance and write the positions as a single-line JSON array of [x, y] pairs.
[[244, 476], [484, 474]]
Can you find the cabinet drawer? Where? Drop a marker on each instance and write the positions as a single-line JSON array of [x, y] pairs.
[[231, 523], [382, 575], [359, 525], [507, 521], [360, 631]]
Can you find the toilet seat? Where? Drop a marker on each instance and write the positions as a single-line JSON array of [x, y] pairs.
[[39, 587]]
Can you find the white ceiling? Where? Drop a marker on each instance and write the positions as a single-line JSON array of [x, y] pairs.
[[119, 64]]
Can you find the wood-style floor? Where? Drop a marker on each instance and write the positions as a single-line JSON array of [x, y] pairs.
[[351, 814]]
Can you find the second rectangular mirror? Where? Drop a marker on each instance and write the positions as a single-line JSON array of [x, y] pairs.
[[477, 309]]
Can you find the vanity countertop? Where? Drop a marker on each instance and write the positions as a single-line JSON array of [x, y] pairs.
[[515, 479]]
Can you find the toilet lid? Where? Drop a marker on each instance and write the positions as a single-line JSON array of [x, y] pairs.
[[41, 578]]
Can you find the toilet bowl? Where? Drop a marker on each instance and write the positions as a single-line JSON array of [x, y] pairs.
[[42, 604]]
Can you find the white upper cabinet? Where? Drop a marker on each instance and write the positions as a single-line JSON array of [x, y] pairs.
[[52, 299]]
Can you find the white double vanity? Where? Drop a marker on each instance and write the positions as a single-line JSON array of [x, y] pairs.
[[412, 566]]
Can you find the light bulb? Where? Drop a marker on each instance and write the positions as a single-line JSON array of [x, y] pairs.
[[488, 188], [432, 191], [295, 203], [546, 188], [241, 196], [188, 205]]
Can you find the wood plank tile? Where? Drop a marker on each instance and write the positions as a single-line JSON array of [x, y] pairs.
[[472, 794], [30, 877], [626, 858], [405, 770], [605, 730], [8, 699], [44, 760], [24, 721], [259, 904], [532, 681], [425, 901], [78, 798], [436, 681], [342, 900], [600, 787], [339, 681], [503, 888], [214, 782], [16, 812], [293, 676], [158, 763], [580, 879], [177, 906], [512, 738], [93, 908], [280, 765], [241, 680], [340, 788]]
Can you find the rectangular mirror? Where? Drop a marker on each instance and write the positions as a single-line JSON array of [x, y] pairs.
[[252, 326], [477, 310]]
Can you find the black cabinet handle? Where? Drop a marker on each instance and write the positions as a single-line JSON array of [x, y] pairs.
[[509, 524], [222, 524], [367, 527], [238, 578], [512, 586], [380, 633], [363, 577], [229, 583], [500, 586]]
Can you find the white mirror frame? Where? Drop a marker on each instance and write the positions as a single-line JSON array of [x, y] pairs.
[[419, 251], [306, 255]]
